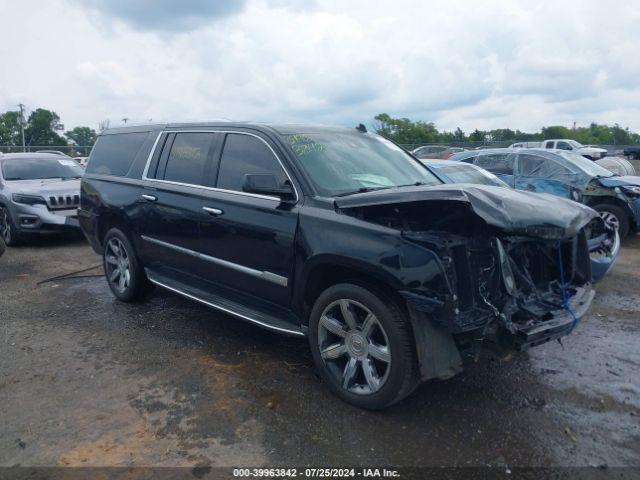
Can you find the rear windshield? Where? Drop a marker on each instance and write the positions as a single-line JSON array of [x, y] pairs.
[[114, 154], [40, 168]]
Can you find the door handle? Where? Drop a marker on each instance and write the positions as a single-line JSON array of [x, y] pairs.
[[149, 198], [213, 211]]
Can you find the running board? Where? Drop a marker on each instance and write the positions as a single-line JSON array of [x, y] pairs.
[[262, 319]]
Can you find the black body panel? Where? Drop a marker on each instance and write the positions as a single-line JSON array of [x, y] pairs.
[[448, 253]]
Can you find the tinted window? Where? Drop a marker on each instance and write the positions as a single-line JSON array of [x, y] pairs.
[[39, 168], [499, 163], [114, 154], [245, 154], [563, 146], [188, 157], [340, 163], [549, 145]]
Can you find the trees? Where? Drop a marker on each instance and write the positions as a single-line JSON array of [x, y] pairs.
[[83, 136], [405, 131], [42, 127], [10, 128]]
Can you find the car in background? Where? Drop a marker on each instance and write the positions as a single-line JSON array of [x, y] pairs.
[[82, 161], [569, 175], [436, 151], [525, 145], [460, 172], [603, 239], [588, 151], [54, 152], [39, 193], [632, 152]]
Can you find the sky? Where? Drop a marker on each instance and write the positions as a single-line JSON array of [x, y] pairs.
[[470, 64]]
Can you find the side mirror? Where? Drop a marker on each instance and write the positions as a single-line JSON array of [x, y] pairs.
[[267, 184]]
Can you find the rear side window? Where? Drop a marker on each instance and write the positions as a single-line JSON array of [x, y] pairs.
[[534, 166], [114, 154], [549, 145], [246, 154], [498, 164], [188, 158], [530, 165]]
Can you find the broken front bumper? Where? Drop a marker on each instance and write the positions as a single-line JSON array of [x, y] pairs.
[[603, 256], [561, 324]]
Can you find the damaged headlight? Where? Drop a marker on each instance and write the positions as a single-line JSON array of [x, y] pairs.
[[545, 231], [631, 190], [28, 199]]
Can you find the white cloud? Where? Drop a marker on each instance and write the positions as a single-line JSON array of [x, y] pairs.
[[468, 64]]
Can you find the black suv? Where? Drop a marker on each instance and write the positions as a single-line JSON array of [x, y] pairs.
[[341, 236]]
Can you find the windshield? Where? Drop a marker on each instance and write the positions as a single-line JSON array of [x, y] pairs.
[[40, 168], [465, 173], [587, 166], [575, 144], [343, 163]]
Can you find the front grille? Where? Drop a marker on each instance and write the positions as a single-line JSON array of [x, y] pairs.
[[59, 202]]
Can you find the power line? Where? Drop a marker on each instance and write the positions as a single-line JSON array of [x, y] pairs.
[[24, 148]]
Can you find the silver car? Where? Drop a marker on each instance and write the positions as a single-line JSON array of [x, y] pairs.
[[39, 193]]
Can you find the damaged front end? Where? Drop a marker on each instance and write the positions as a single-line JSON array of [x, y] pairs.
[[517, 267], [511, 292]]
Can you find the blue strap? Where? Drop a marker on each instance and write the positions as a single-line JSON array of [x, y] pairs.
[[565, 294]]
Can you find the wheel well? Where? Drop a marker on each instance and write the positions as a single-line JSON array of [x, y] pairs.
[[107, 222], [618, 203], [324, 276]]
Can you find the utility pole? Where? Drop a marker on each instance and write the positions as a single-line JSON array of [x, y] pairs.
[[24, 149]]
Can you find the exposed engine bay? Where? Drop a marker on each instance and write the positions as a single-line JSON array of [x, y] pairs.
[[508, 288]]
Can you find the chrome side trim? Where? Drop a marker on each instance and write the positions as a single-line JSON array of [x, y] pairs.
[[226, 310], [153, 149], [213, 189], [268, 276]]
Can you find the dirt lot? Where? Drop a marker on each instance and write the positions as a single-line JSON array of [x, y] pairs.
[[86, 380]]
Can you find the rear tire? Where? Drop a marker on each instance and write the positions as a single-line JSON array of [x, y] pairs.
[[363, 346], [8, 229], [122, 269], [615, 216]]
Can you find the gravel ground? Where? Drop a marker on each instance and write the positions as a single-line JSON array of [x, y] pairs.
[[88, 381]]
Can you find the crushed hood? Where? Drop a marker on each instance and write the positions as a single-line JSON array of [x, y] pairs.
[[620, 181], [526, 213]]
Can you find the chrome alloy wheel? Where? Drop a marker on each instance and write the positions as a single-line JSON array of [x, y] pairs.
[[354, 346], [610, 219], [117, 266]]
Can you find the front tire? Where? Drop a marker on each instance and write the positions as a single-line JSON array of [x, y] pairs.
[[615, 216], [8, 229], [363, 346], [124, 274]]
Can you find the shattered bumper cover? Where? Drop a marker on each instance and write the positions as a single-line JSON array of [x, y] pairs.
[[560, 325]]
